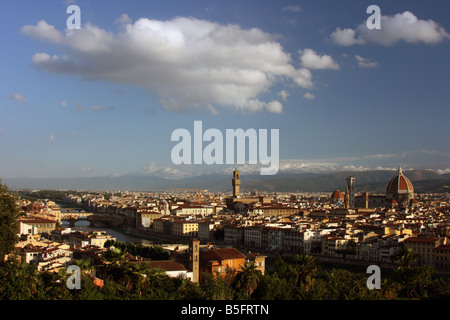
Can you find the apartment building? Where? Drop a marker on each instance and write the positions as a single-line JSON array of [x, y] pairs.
[[442, 257], [204, 230], [234, 234], [145, 218], [193, 210], [36, 225], [424, 247], [185, 228], [252, 236]]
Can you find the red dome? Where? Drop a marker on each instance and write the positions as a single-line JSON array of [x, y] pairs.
[[399, 184], [337, 195]]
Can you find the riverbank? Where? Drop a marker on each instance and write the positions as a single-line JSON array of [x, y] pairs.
[[141, 234]]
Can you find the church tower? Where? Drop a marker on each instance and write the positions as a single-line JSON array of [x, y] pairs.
[[194, 259], [350, 193], [236, 184]]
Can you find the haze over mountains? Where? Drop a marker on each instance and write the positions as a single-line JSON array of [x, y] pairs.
[[372, 181]]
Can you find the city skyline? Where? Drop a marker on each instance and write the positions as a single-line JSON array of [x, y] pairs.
[[104, 100]]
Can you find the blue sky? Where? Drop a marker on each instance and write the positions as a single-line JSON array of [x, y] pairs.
[[104, 100]]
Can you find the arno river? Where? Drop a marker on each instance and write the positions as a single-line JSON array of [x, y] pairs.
[[122, 237], [83, 225]]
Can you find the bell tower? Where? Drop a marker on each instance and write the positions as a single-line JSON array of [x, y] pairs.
[[350, 192], [236, 184], [194, 259]]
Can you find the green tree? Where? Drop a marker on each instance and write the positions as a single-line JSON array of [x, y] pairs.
[[414, 280], [281, 267], [9, 225], [19, 281], [303, 270], [272, 287], [247, 280], [345, 285], [217, 287], [408, 259]]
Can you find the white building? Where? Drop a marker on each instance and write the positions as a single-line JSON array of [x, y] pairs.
[[252, 237], [193, 210]]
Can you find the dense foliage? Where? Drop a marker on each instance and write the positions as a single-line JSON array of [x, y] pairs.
[[300, 278], [138, 249], [9, 225]]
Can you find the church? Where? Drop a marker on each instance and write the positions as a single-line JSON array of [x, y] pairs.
[[399, 194]]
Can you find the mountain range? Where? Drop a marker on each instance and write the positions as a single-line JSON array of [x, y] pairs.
[[374, 181]]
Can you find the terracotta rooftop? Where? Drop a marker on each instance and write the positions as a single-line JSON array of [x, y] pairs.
[[168, 265], [223, 254]]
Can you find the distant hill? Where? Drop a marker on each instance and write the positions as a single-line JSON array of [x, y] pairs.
[[372, 181]]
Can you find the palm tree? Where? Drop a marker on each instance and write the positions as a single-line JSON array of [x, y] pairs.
[[303, 269], [408, 259], [248, 279]]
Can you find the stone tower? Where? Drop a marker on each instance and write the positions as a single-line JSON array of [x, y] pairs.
[[194, 259], [236, 184], [350, 192]]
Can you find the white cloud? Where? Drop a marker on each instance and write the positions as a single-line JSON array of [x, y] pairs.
[[85, 169], [78, 106], [380, 156], [50, 137], [2, 130], [124, 19], [291, 8], [41, 58], [345, 37], [189, 63], [365, 62], [274, 107], [18, 97], [64, 103], [97, 108], [170, 172], [309, 96], [310, 59], [43, 31], [399, 27], [284, 95]]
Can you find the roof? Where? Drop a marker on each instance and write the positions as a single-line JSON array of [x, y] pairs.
[[421, 240], [399, 183], [36, 220], [168, 265], [223, 254], [337, 195]]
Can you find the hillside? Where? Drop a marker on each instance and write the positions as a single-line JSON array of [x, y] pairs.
[[371, 181]]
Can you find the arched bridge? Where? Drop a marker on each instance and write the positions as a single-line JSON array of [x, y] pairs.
[[92, 217]]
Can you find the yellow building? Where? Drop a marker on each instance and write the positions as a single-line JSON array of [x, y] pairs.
[[424, 247], [185, 228], [36, 225], [145, 219], [278, 210]]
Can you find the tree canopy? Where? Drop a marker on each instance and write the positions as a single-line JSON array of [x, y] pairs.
[[9, 225]]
